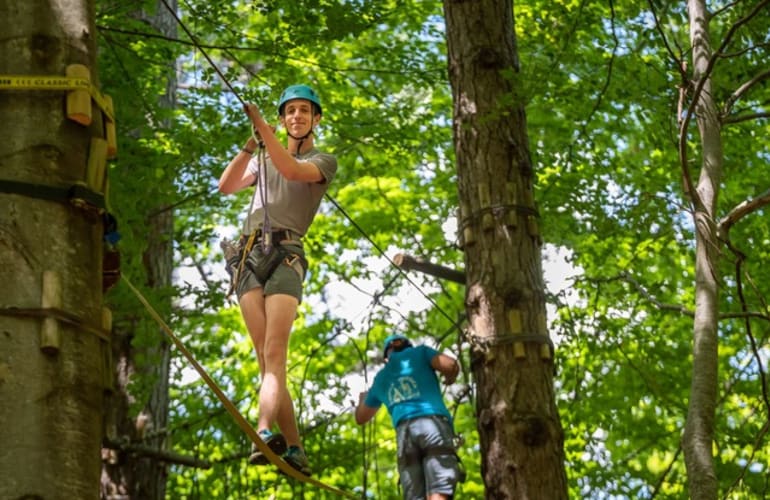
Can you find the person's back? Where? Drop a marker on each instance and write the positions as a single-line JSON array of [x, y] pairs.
[[408, 387]]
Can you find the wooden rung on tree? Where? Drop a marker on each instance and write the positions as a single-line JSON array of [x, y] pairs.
[[108, 367], [487, 221], [50, 333], [79, 101], [97, 163], [532, 227], [511, 216], [515, 327]]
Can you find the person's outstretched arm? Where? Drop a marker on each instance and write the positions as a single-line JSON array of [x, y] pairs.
[[364, 413]]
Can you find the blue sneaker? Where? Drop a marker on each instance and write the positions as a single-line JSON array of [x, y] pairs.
[[296, 457], [276, 443]]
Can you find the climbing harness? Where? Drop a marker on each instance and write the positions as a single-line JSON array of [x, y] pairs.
[[284, 467], [229, 406], [416, 456], [242, 248], [267, 233], [264, 265], [238, 254], [271, 253]]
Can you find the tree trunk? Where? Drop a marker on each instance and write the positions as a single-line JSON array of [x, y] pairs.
[[519, 428], [699, 428], [52, 336], [129, 475]]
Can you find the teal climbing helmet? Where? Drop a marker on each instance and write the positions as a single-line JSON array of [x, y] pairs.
[[391, 339], [299, 92]]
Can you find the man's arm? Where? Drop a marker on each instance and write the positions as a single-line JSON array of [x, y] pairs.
[[236, 175], [447, 366], [364, 413]]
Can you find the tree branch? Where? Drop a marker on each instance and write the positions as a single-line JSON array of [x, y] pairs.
[[745, 118], [679, 308], [696, 96], [743, 89], [408, 263], [163, 455], [741, 210]]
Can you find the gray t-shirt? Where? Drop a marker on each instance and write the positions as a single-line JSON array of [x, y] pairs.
[[290, 204]]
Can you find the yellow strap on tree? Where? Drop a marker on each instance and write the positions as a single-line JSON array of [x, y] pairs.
[[55, 82]]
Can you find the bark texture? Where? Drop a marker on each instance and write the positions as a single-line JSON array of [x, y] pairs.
[[519, 428], [51, 413], [699, 428]]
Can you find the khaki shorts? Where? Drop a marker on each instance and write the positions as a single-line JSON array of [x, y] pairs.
[[430, 473], [286, 279]]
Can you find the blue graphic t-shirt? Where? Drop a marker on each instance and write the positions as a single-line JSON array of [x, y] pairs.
[[408, 386]]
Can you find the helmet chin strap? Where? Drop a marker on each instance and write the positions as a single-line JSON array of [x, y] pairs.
[[300, 139]]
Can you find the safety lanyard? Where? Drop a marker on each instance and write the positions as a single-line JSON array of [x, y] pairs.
[[261, 190], [266, 242]]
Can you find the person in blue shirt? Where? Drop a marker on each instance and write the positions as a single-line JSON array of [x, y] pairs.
[[408, 386]]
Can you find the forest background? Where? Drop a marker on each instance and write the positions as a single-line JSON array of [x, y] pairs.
[[602, 87], [604, 95]]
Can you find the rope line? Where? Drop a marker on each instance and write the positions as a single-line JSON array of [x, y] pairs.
[[227, 83], [230, 407], [57, 314], [240, 420], [401, 271], [199, 47]]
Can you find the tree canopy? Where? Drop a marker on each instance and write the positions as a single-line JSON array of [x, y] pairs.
[[604, 91]]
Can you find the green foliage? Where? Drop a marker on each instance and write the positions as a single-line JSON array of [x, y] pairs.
[[601, 89], [610, 189]]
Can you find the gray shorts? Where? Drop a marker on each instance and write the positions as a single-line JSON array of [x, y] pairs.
[[286, 279], [421, 471]]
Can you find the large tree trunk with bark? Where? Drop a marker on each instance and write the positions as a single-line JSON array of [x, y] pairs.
[[699, 428], [519, 428], [53, 340], [129, 472]]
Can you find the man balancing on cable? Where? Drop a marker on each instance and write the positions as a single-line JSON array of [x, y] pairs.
[[290, 183], [408, 386]]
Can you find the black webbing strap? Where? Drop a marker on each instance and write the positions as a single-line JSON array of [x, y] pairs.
[[417, 456], [409, 459], [58, 314], [77, 194], [500, 340]]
